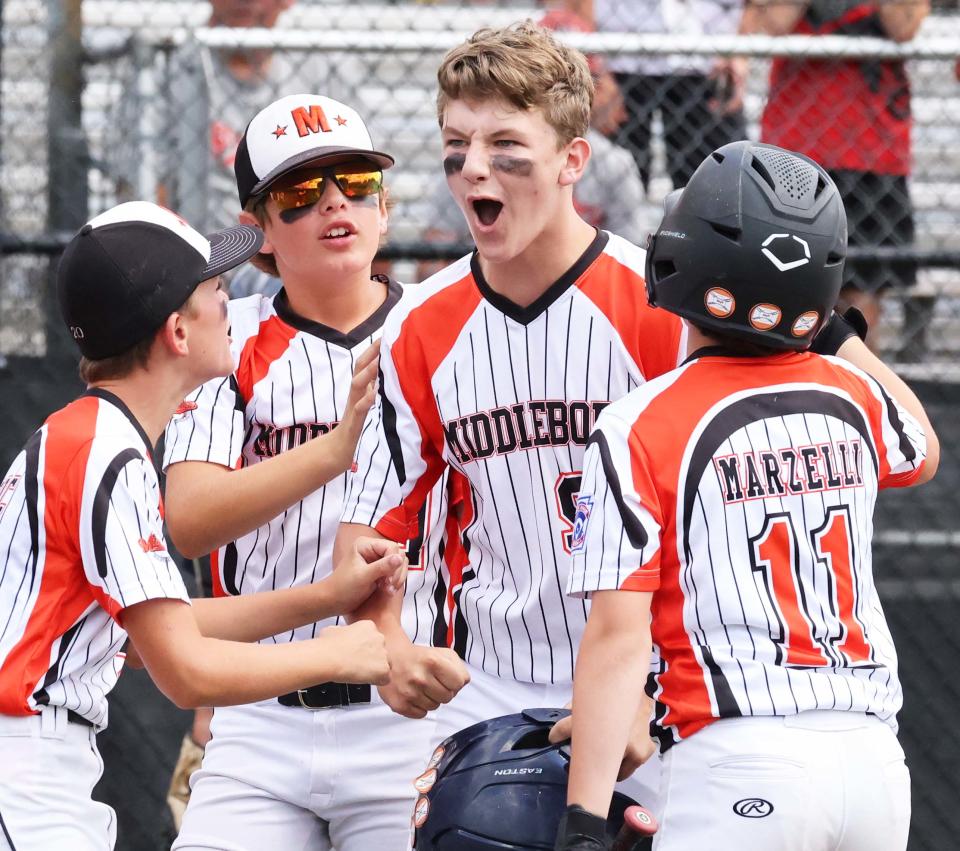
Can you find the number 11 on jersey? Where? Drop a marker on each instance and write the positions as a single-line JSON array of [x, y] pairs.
[[775, 557]]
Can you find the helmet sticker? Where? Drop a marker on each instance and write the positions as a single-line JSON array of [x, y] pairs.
[[763, 317], [435, 759], [421, 811], [805, 323], [424, 783], [719, 302]]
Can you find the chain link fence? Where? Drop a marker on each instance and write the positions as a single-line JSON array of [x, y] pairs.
[[107, 100]]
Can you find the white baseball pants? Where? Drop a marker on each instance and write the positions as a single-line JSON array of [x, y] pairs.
[[285, 777], [818, 781], [48, 768]]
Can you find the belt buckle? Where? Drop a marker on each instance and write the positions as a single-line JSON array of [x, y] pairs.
[[301, 692]]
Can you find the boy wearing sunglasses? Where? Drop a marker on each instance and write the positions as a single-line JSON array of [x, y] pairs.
[[498, 370], [256, 474]]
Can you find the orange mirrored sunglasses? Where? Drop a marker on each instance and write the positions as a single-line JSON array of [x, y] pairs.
[[353, 184]]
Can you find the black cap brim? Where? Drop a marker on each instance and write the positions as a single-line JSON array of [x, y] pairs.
[[321, 156], [231, 247]]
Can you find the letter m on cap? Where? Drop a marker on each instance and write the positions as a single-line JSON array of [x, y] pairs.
[[310, 122]]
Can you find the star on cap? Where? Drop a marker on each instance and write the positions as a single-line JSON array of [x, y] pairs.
[[280, 131], [341, 121]]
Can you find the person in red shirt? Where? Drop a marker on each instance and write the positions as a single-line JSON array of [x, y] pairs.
[[852, 116]]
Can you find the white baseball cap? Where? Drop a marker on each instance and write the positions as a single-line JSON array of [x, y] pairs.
[[296, 131]]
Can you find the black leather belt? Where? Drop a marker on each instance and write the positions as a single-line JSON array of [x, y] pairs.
[[327, 696], [77, 718]]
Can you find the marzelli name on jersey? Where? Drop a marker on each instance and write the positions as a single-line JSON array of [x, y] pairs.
[[793, 470], [525, 425]]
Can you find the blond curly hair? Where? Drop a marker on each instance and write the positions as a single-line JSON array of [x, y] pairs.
[[526, 66]]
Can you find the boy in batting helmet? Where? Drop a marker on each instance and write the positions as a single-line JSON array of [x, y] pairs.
[[725, 517]]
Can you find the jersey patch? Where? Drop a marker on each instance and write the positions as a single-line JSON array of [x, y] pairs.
[[584, 509]]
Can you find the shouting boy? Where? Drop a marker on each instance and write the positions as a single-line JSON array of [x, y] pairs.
[[498, 370]]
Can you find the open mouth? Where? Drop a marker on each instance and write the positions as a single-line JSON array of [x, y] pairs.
[[487, 211], [338, 232]]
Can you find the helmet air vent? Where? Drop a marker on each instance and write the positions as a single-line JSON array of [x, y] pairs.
[[794, 181], [733, 234], [663, 269], [533, 740]]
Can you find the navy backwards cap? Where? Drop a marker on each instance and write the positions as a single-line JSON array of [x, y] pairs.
[[298, 131], [129, 268]]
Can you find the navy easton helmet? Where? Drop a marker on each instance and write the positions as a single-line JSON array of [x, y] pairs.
[[752, 247], [500, 785]]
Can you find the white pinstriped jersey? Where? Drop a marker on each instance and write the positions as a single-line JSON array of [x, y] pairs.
[[506, 397], [741, 492], [81, 539], [290, 385]]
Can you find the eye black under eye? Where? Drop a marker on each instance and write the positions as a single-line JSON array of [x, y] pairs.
[[454, 163], [288, 216]]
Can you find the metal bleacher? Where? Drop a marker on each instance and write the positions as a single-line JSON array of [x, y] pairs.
[[398, 97]]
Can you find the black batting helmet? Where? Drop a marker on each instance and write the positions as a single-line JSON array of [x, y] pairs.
[[752, 247], [500, 784]]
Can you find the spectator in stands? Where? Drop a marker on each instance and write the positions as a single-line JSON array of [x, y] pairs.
[[225, 88], [853, 116], [700, 100], [610, 194], [215, 93]]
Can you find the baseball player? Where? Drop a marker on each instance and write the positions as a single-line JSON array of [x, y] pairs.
[[498, 370], [84, 559], [245, 466], [726, 514]]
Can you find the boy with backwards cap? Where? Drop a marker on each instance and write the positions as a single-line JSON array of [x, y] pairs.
[[85, 562], [245, 480]]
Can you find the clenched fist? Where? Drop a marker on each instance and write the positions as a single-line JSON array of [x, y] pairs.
[[422, 678], [360, 650]]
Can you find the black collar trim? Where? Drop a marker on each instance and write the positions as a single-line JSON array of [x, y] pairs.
[[117, 402], [525, 315], [351, 338], [725, 352]]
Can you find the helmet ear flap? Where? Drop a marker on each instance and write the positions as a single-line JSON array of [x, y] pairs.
[[657, 270], [648, 271]]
